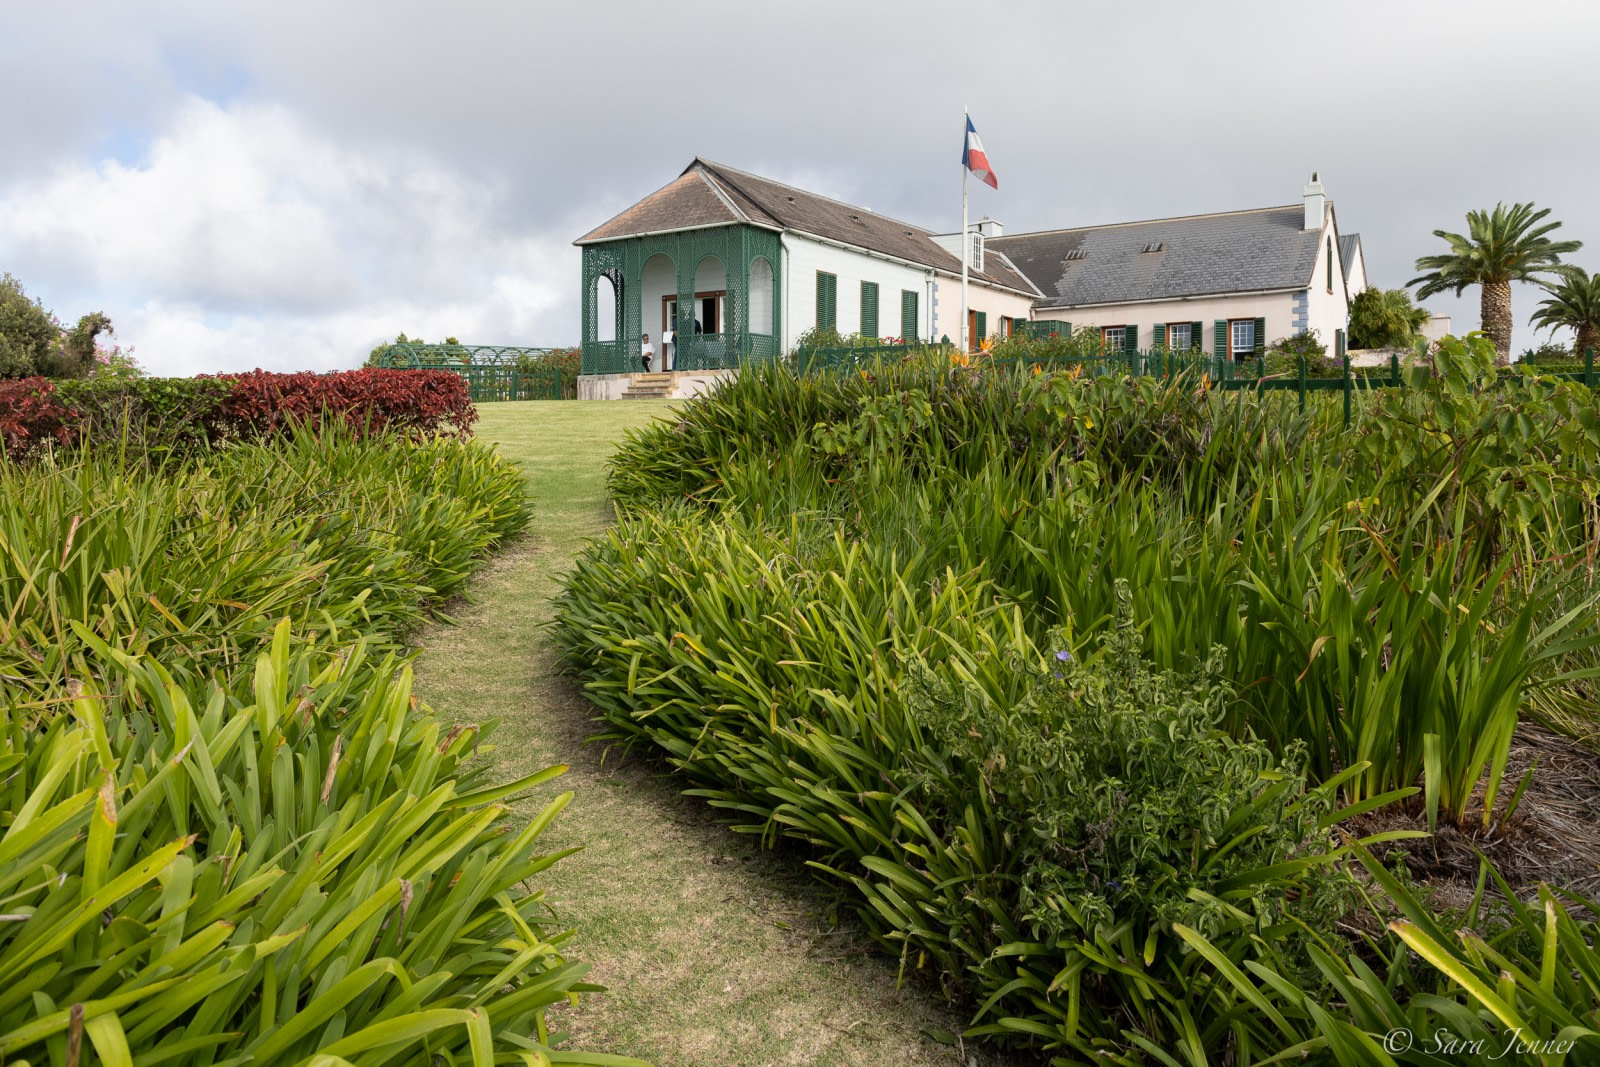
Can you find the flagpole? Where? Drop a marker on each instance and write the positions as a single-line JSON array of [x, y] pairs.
[[966, 240]]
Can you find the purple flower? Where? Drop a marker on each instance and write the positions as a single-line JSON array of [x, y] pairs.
[[1064, 656], [1057, 675]]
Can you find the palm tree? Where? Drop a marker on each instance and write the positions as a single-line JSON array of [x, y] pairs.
[[1385, 318], [1574, 302], [1503, 246]]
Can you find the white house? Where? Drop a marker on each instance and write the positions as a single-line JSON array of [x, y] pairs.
[[741, 266], [1231, 282]]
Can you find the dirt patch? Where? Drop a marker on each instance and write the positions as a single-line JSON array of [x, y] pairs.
[[1553, 835]]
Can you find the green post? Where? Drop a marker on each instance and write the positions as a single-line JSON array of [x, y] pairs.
[[1344, 364], [1394, 368], [1302, 384], [1588, 367]]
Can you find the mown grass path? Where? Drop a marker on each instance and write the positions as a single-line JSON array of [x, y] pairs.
[[715, 953]]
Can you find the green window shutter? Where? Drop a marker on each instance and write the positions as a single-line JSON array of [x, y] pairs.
[[908, 315], [1261, 336], [1130, 338], [1158, 335], [869, 309], [1197, 335], [827, 300], [1065, 330], [983, 326], [1221, 342]]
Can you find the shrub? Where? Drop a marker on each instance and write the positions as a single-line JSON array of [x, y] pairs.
[[32, 415], [151, 414], [195, 562], [163, 414], [231, 831], [1284, 356], [366, 401], [1385, 596], [293, 863]]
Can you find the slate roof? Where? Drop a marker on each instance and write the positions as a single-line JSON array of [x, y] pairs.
[[1348, 244], [708, 194], [1200, 255]]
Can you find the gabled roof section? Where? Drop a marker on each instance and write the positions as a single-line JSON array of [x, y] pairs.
[[1349, 249], [710, 194], [833, 220], [1167, 259], [690, 201]]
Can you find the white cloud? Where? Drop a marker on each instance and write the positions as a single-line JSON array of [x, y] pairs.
[[243, 238]]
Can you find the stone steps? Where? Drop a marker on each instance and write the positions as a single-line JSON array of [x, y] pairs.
[[657, 385]]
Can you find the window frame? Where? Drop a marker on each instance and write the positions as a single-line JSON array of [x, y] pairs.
[[1122, 338], [1188, 327], [1234, 351]]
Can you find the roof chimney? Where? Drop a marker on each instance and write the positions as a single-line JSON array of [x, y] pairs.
[[1315, 212], [988, 227]]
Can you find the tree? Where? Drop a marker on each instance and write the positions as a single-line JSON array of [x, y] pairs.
[[1385, 318], [1501, 246], [1573, 303], [28, 332]]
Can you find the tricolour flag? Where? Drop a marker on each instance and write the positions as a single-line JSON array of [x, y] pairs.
[[974, 159]]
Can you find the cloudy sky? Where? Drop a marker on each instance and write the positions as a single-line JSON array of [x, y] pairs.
[[284, 185]]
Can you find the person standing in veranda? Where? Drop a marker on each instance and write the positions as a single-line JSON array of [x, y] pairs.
[[647, 353]]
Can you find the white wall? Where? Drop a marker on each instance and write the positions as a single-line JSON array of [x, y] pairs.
[[807, 257], [1276, 308], [1326, 311], [659, 278], [1358, 272]]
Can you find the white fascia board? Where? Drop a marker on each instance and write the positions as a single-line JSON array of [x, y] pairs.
[[676, 229]]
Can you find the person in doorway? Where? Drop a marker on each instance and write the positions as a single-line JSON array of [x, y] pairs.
[[667, 342], [647, 353]]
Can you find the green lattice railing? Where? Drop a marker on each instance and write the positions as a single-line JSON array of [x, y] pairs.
[[751, 267], [493, 372]]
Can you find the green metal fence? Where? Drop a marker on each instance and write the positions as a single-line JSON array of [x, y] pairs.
[[493, 372], [813, 360]]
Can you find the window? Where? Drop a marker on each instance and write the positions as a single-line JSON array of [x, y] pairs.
[[1180, 336], [869, 309], [909, 326], [1112, 337], [1330, 264], [827, 301], [1244, 337], [976, 260]]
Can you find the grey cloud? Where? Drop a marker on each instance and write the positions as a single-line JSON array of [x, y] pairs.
[[565, 113]]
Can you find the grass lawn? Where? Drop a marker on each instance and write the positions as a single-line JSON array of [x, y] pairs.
[[715, 953]]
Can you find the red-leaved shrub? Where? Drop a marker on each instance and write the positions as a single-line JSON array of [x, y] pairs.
[[257, 404], [31, 415], [371, 400]]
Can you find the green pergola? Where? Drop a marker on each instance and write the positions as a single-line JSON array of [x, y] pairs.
[[751, 265], [493, 372]]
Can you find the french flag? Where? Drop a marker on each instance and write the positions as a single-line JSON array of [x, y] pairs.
[[974, 159]]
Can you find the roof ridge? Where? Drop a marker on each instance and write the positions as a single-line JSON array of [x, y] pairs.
[[815, 196], [727, 201], [1146, 222], [713, 177]]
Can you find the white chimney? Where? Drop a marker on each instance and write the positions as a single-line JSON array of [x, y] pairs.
[[1315, 211], [988, 227]]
